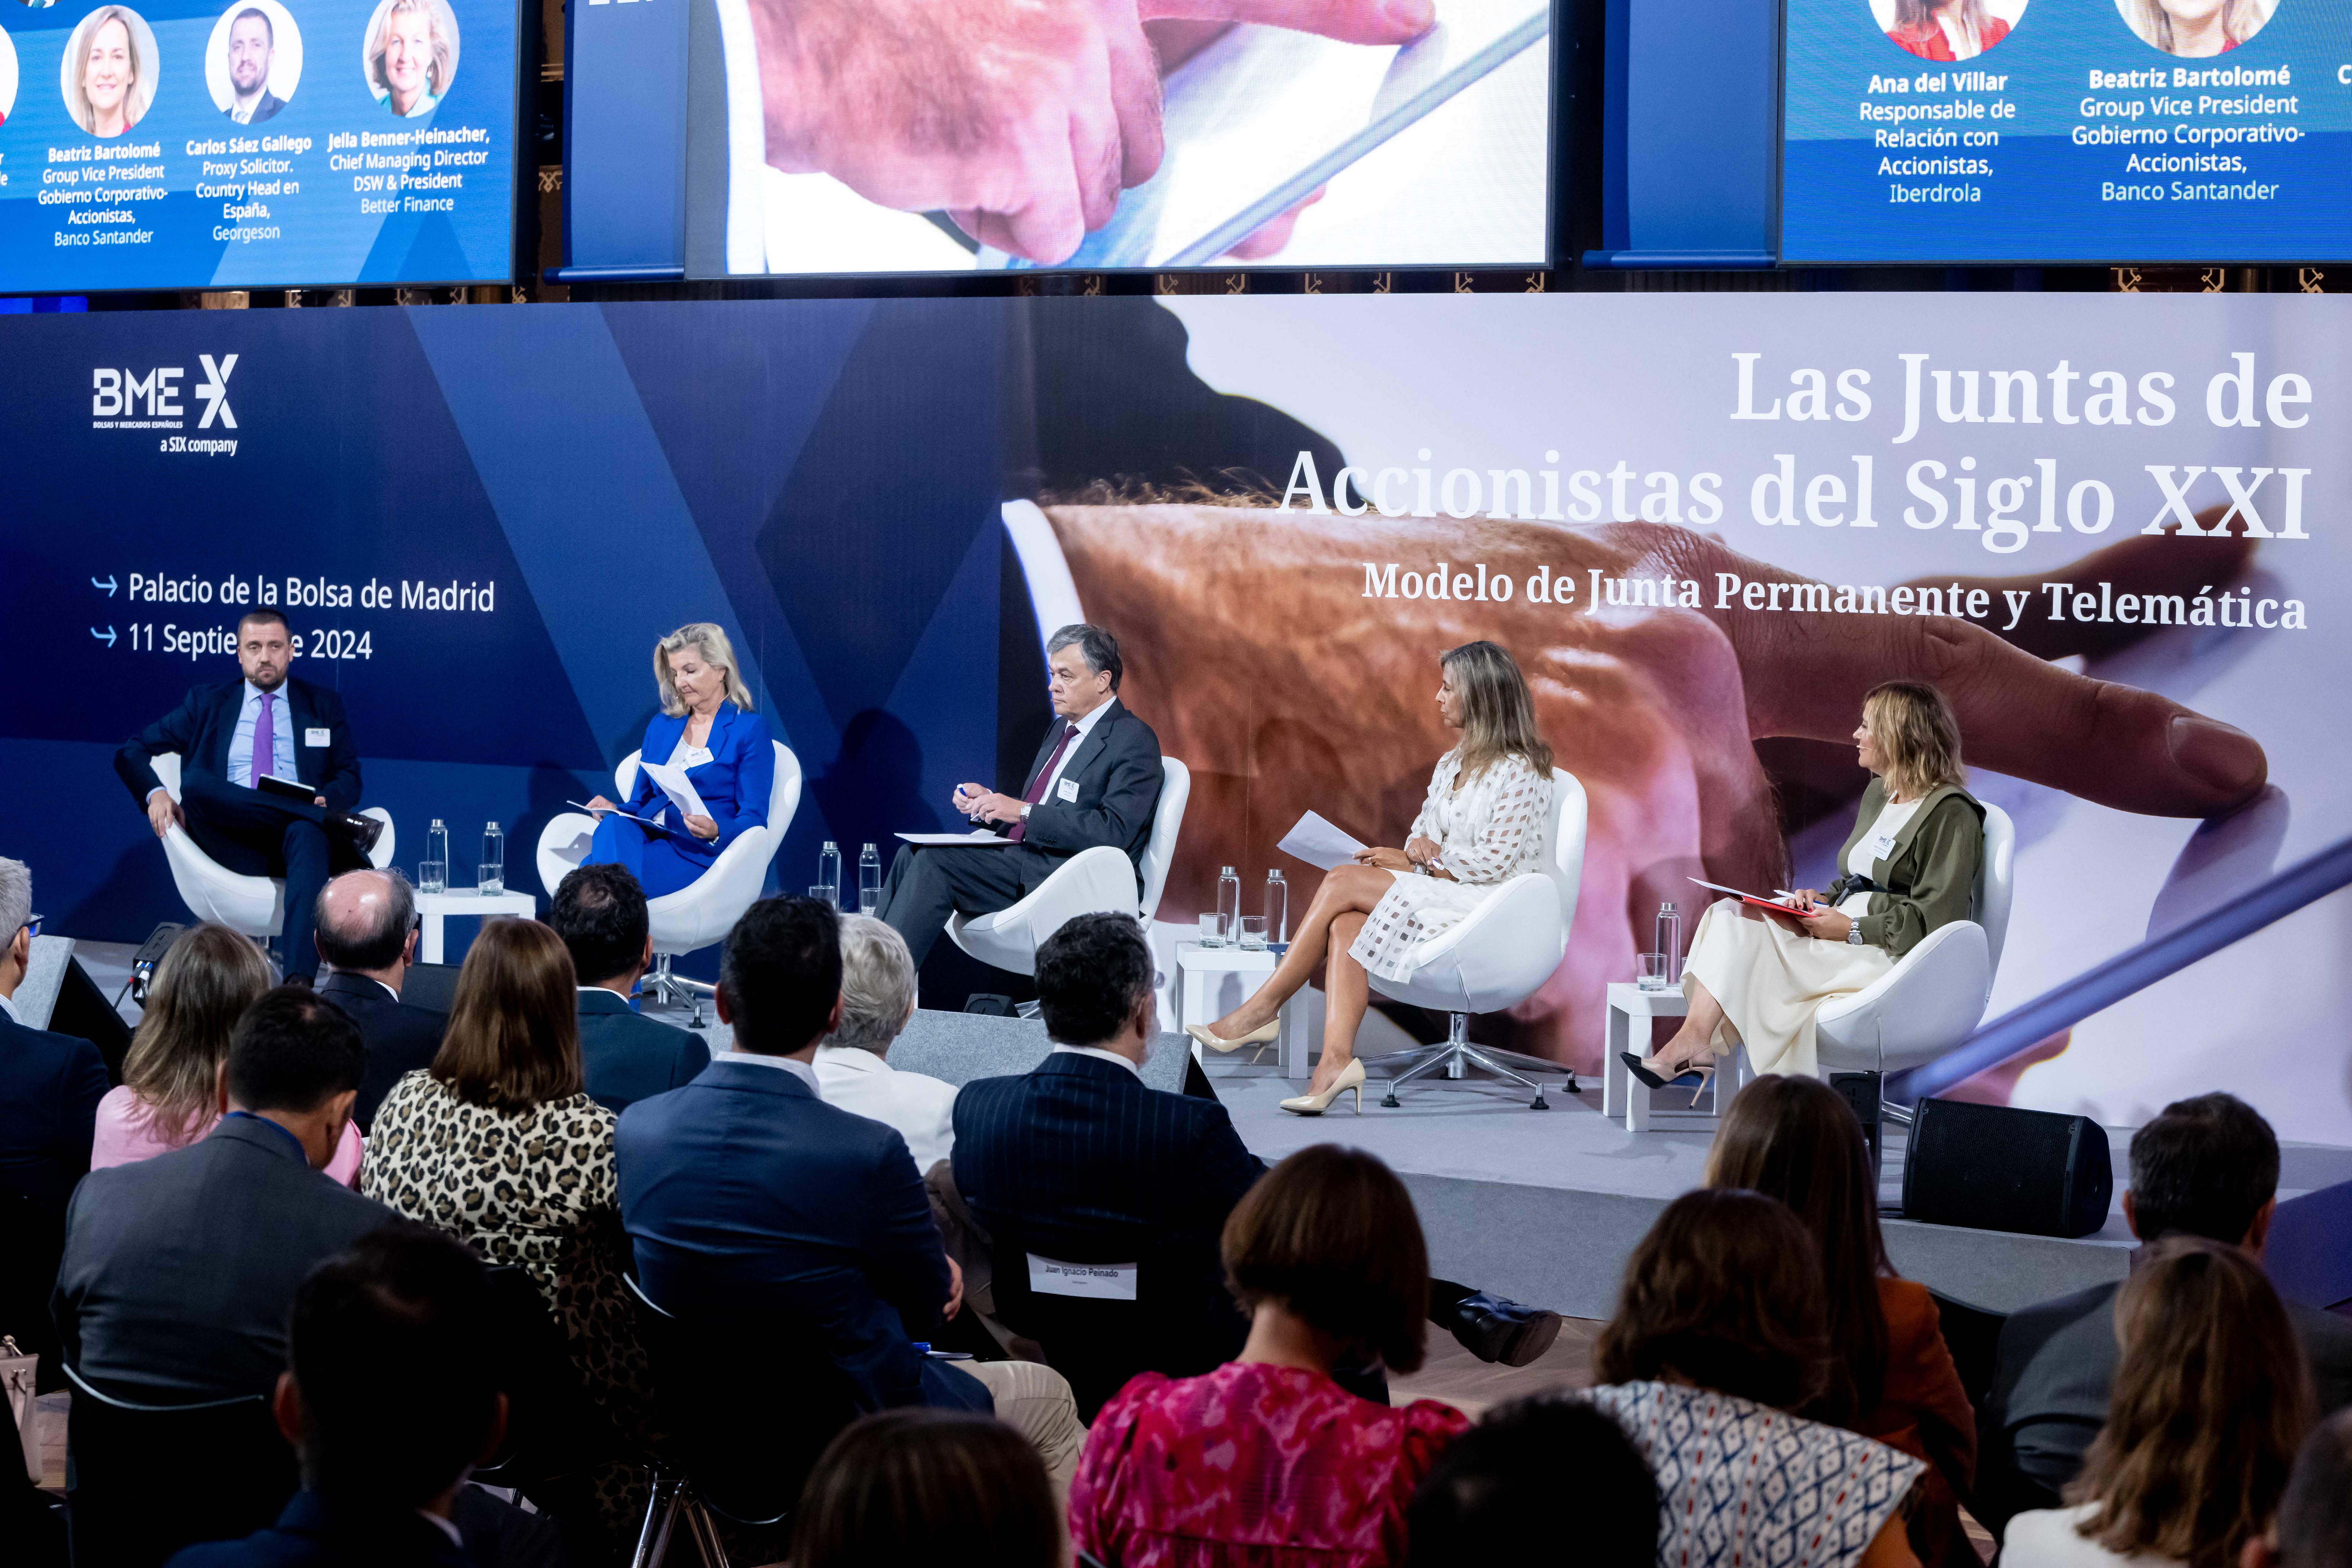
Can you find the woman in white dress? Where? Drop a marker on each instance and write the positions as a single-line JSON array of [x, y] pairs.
[[1487, 820], [1910, 866]]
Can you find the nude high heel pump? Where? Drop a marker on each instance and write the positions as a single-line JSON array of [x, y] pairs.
[[1270, 1030], [1350, 1076]]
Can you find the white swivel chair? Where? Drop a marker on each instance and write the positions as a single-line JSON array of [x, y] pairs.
[[703, 911], [1498, 957], [1092, 882], [250, 906]]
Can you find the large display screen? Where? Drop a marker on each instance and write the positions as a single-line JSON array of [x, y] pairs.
[[892, 136], [236, 144], [2097, 131]]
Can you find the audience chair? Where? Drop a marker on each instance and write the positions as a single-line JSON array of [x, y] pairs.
[[1100, 880], [1496, 959], [696, 916], [252, 906], [1972, 1334], [36, 1237], [144, 1480], [553, 1427]]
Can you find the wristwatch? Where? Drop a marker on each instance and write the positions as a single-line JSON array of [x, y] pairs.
[[1025, 811], [1854, 935]]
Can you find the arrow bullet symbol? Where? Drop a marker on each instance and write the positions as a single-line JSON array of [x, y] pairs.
[[108, 584], [106, 637]]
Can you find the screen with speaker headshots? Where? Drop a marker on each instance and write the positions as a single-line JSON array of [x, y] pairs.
[[2067, 130], [230, 143]]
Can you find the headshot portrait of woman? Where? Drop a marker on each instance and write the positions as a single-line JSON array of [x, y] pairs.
[[7, 77], [2195, 30], [705, 727], [111, 68], [1946, 29], [1484, 821], [412, 54], [1909, 865]]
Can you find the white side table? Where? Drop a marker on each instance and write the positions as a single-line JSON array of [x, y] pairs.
[[1622, 1094], [468, 904], [1210, 982]]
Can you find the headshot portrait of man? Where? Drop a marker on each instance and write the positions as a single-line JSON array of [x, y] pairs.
[[252, 46]]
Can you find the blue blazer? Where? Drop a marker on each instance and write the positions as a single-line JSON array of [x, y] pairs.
[[735, 784], [203, 727], [745, 1195], [50, 1085], [627, 1057]]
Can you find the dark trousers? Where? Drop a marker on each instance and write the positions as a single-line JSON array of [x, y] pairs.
[[257, 834], [930, 882]]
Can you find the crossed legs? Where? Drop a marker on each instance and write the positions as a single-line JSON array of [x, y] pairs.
[[1696, 1039], [1329, 927]]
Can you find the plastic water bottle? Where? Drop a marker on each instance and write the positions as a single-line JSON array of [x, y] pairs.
[[491, 876], [869, 879], [1277, 909], [1229, 904], [828, 870], [1670, 941], [432, 871]]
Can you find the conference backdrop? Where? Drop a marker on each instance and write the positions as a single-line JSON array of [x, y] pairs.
[[2111, 529]]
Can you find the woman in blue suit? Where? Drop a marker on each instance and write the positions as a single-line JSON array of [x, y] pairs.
[[707, 727]]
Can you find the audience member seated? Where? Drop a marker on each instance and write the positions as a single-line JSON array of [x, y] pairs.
[[179, 1271], [1495, 1495], [746, 1194], [1795, 1139], [390, 1395], [1079, 1161], [2207, 1167], [1267, 1460], [600, 913], [2209, 1400], [923, 1488], [1721, 1335], [877, 1000], [170, 1093], [50, 1085], [366, 929], [2314, 1519]]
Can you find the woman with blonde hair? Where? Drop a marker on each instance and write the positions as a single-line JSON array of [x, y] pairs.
[[170, 1093], [111, 94], [707, 730], [1910, 866], [410, 58], [1486, 818], [2196, 29]]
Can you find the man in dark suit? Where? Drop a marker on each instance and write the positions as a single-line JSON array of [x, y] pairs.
[[367, 932], [600, 914], [746, 1195], [1096, 781], [2206, 1166], [179, 1271], [49, 1084], [228, 737]]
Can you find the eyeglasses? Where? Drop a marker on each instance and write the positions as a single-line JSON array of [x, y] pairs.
[[32, 927]]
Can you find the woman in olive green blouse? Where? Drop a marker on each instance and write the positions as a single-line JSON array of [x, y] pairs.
[[1910, 865]]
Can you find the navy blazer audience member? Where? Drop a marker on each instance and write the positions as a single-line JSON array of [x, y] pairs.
[[179, 1271], [51, 1084], [227, 737], [600, 913], [367, 931], [2206, 1167], [745, 1194], [1096, 781]]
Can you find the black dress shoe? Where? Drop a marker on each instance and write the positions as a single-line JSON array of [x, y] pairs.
[[362, 831], [1496, 1329]]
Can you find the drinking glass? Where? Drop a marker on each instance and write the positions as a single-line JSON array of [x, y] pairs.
[[1253, 933], [826, 893], [1213, 929], [1654, 972]]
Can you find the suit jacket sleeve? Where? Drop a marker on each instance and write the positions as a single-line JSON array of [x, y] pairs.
[[904, 1258], [82, 1085], [1123, 816], [1224, 1170], [1948, 846], [755, 780], [341, 780], [175, 731]]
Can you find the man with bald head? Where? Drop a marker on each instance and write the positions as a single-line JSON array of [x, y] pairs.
[[367, 932]]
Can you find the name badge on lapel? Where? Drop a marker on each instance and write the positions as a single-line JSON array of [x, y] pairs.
[[1067, 789], [1881, 846], [314, 736], [1095, 1282]]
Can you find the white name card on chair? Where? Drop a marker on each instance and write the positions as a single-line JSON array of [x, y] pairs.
[[1097, 1281]]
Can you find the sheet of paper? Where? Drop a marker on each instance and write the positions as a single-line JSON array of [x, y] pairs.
[[673, 783], [1740, 893], [1314, 840], [616, 811], [980, 836]]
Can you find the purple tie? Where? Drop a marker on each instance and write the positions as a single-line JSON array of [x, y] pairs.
[[1037, 790], [264, 757]]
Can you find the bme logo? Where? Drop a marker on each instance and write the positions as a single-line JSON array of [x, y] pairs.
[[119, 394]]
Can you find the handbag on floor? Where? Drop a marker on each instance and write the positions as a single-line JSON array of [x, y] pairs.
[[17, 1375]]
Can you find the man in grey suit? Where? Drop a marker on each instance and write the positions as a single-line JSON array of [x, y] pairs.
[[179, 1271], [1096, 781], [2206, 1166], [625, 1057]]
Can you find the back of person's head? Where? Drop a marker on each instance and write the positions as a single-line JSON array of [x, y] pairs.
[[363, 919], [877, 984], [15, 899], [1091, 975], [600, 913], [1726, 1290], [2204, 1167], [293, 1050], [205, 983], [1795, 1139], [393, 1346], [917, 1488], [781, 975], [1331, 1235], [1494, 1496], [2209, 1403], [513, 1039], [2315, 1517]]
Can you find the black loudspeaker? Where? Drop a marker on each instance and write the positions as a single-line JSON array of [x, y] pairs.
[[83, 1012], [2032, 1172]]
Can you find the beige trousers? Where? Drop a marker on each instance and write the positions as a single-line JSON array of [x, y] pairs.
[[1035, 1401], [1771, 980]]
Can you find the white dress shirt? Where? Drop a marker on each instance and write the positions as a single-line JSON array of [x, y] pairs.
[[920, 1107], [281, 740], [799, 1069], [1062, 764], [1099, 1054], [9, 1005]]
